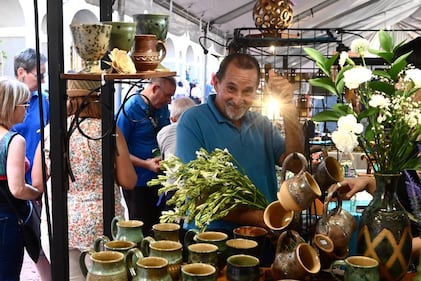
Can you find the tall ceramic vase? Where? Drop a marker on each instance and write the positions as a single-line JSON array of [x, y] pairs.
[[385, 231]]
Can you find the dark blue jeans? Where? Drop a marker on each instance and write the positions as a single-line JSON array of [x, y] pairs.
[[11, 246]]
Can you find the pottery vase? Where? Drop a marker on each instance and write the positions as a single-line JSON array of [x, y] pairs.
[[122, 35], [385, 231], [91, 43], [155, 24]]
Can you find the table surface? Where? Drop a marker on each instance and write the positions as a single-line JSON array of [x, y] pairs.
[[322, 276]]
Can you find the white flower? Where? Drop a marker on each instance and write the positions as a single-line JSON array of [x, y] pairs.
[[349, 123], [355, 76], [344, 141], [360, 46], [414, 75], [342, 58], [379, 101]]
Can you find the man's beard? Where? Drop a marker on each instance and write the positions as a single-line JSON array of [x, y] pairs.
[[235, 112]]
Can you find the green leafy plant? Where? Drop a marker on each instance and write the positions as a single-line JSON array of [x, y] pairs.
[[207, 188], [385, 121]]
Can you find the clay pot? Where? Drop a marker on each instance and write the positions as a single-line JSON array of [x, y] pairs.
[[91, 43], [145, 53], [105, 266], [122, 35], [294, 258], [152, 24]]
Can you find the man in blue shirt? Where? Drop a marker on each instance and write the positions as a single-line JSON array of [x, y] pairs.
[[143, 115], [25, 68], [226, 122]]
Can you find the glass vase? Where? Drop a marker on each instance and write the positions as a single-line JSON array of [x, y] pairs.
[[385, 230]]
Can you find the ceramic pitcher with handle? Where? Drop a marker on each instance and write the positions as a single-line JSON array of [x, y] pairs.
[[297, 193]]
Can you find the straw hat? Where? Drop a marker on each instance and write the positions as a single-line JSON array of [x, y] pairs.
[[81, 88]]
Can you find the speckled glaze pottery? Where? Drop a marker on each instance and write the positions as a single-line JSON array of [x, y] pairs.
[[122, 35], [152, 24], [91, 43]]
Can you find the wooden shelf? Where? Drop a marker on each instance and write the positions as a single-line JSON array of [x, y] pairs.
[[117, 76]]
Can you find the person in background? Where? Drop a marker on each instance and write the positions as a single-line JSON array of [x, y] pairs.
[[196, 93], [25, 69], [166, 136], [14, 101], [143, 115], [180, 91], [226, 122], [84, 198]]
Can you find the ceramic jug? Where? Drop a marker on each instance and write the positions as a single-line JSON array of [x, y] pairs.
[[147, 268], [297, 193], [145, 53], [129, 230], [106, 266], [334, 230], [294, 258]]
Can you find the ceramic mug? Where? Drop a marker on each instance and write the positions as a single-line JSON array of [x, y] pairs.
[[105, 266], [198, 272], [357, 268], [166, 231], [148, 268], [276, 217], [238, 246], [130, 230], [297, 193], [213, 237], [103, 243], [294, 258], [328, 172], [243, 268], [203, 253], [170, 250]]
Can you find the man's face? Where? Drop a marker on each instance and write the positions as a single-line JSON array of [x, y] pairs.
[[236, 92], [29, 77]]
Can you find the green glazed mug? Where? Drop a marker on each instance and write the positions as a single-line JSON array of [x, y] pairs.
[[198, 272], [129, 230], [357, 268]]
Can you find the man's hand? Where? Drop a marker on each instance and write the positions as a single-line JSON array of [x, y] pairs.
[[280, 87], [153, 164]]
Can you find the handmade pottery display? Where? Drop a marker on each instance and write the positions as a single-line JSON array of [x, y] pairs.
[[145, 53], [122, 35], [91, 43]]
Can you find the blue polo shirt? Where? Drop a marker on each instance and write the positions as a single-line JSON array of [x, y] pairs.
[[137, 125], [30, 127], [257, 145]]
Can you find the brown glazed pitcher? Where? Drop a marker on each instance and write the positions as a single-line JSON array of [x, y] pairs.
[[145, 54], [294, 258]]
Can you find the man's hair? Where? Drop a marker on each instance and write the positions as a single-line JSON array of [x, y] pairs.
[[242, 61], [178, 106], [161, 80], [27, 59]]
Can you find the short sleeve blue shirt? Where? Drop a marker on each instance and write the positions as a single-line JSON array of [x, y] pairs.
[[30, 127], [257, 145], [136, 122]]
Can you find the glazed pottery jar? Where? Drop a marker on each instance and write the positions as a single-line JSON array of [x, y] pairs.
[[145, 53]]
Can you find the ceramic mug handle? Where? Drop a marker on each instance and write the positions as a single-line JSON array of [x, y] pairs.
[[335, 264]]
